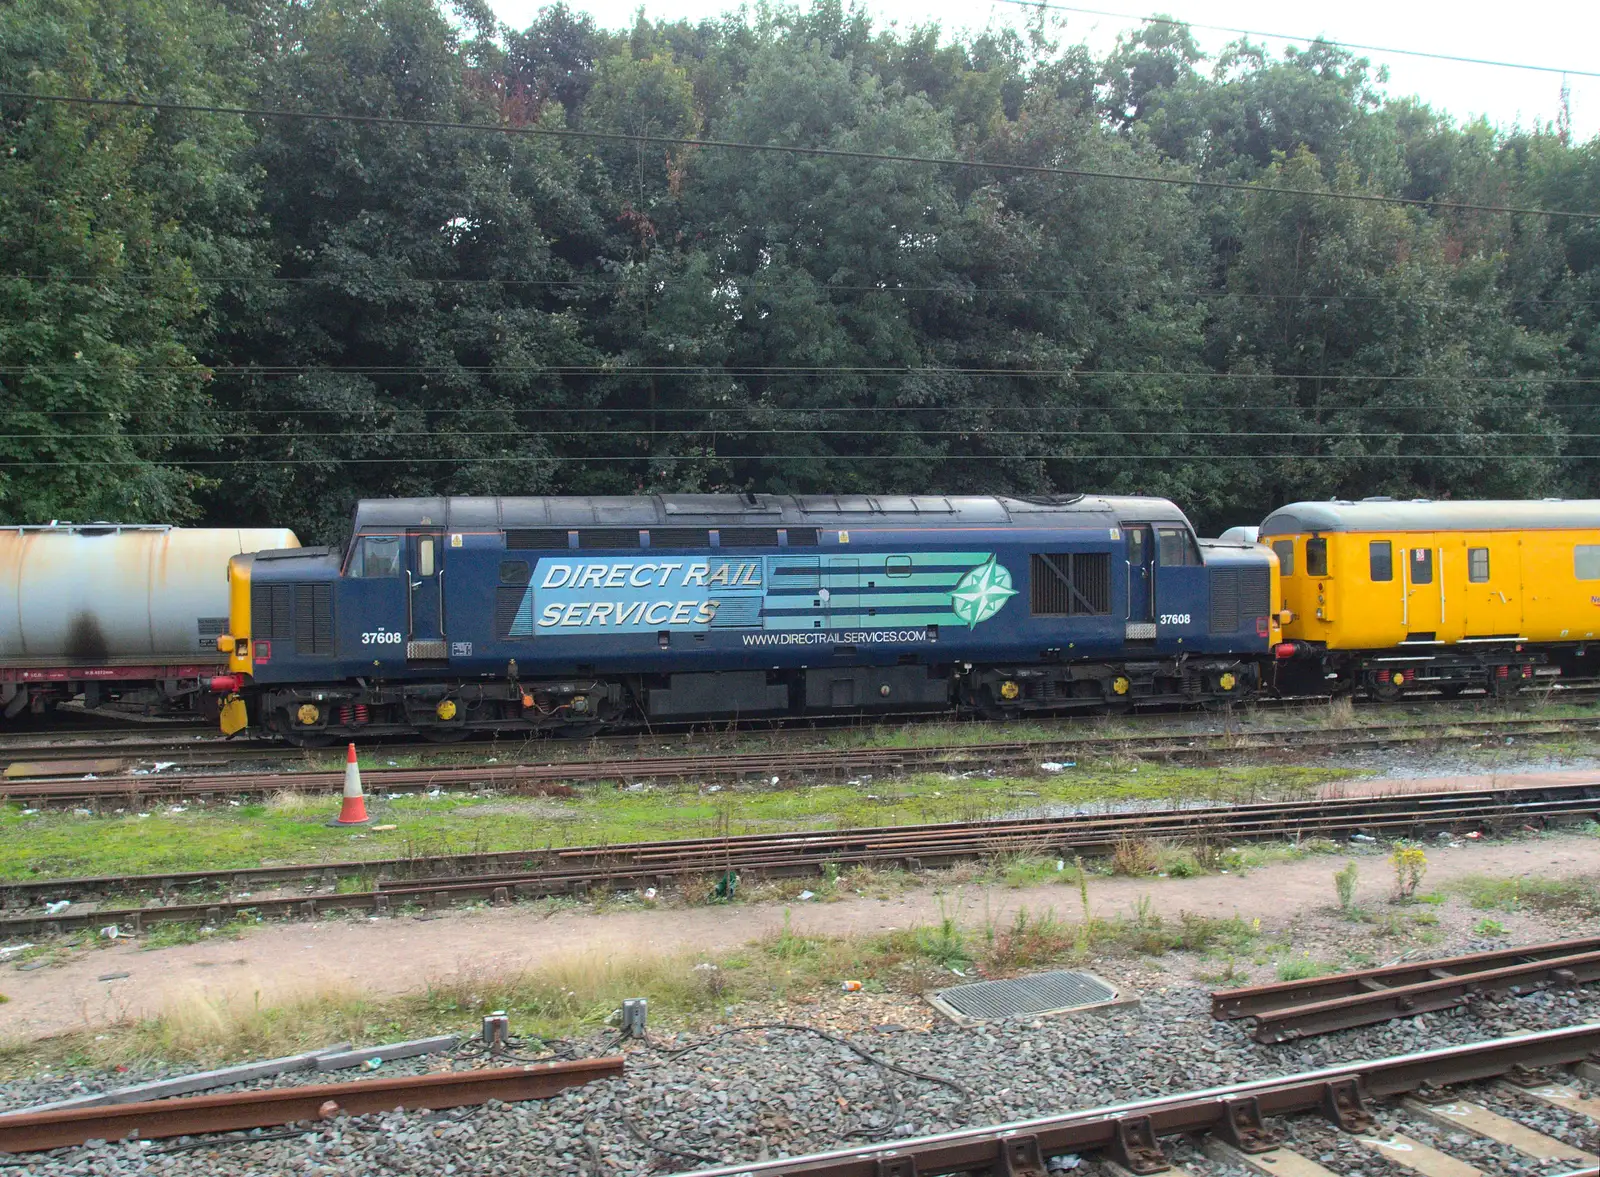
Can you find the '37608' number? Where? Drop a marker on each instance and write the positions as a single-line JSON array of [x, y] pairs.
[[1175, 619], [381, 637]]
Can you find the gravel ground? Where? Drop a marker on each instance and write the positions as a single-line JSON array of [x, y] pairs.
[[749, 1094]]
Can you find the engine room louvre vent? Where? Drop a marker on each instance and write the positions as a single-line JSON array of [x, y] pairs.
[[541, 539], [680, 537], [608, 537], [1070, 584], [802, 537], [748, 537], [313, 619], [272, 612]]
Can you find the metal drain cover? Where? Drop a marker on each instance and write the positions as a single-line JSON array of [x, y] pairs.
[[1024, 997]]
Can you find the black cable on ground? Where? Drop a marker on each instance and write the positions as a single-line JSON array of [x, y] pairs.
[[682, 1154]]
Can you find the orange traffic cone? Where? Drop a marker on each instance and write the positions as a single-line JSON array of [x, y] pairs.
[[353, 809]]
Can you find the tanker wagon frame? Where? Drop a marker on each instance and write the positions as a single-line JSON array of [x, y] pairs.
[[119, 615]]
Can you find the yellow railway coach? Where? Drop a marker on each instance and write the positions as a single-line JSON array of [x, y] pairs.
[[1391, 596]]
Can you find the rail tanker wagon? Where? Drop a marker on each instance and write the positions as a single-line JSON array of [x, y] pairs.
[[120, 614], [1388, 597], [563, 614]]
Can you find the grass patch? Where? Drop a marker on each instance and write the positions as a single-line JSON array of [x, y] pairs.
[[1302, 968], [1555, 896], [291, 827], [582, 992]]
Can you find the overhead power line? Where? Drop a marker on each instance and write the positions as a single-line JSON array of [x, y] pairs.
[[790, 149], [771, 370], [736, 431], [536, 459], [1173, 21]]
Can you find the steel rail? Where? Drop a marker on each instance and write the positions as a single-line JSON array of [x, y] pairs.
[[1295, 1009], [624, 867], [1130, 1132], [192, 1115], [537, 777]]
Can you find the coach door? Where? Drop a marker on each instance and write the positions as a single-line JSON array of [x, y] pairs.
[[1141, 549], [425, 612], [1426, 602]]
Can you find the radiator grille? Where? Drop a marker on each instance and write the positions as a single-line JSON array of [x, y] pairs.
[[313, 617], [271, 610], [513, 587], [802, 537], [749, 537], [1070, 584], [428, 650], [734, 612], [540, 539], [608, 537], [1238, 597], [1043, 993], [680, 537]]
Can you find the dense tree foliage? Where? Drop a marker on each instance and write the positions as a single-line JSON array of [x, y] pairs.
[[247, 319]]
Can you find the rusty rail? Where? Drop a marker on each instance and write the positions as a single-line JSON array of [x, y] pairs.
[[575, 870], [1130, 1133], [1298, 1009], [542, 776], [33, 1131]]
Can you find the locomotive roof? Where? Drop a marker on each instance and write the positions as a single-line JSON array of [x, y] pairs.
[[1426, 515], [706, 510]]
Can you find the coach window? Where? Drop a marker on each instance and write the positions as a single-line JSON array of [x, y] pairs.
[[1421, 565], [1175, 548], [1316, 557], [1380, 554], [376, 555], [1586, 561], [1478, 565], [1285, 550]]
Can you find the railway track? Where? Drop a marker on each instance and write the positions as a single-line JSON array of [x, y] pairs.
[[1295, 1009], [784, 763], [200, 744], [259, 1108], [387, 886], [1245, 1124]]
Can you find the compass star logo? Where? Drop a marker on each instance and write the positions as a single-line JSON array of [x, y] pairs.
[[980, 594]]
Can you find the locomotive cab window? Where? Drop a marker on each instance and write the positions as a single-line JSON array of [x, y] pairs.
[[1586, 561], [1316, 557], [376, 555], [1285, 550], [1421, 565], [1175, 548], [1380, 556], [897, 566], [1478, 565]]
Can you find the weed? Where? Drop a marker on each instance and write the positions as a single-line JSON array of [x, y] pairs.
[[1301, 968], [1229, 974], [1344, 885], [1030, 941], [1488, 927], [789, 946], [1135, 857], [944, 944], [1410, 864]]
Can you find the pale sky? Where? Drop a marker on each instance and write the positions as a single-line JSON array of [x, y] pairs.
[[1560, 33]]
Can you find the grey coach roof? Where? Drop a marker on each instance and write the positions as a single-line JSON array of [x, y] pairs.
[[1424, 515], [842, 511]]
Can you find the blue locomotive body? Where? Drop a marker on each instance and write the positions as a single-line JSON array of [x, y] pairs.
[[449, 615]]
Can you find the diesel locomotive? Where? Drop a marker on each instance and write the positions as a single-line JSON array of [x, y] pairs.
[[447, 616]]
